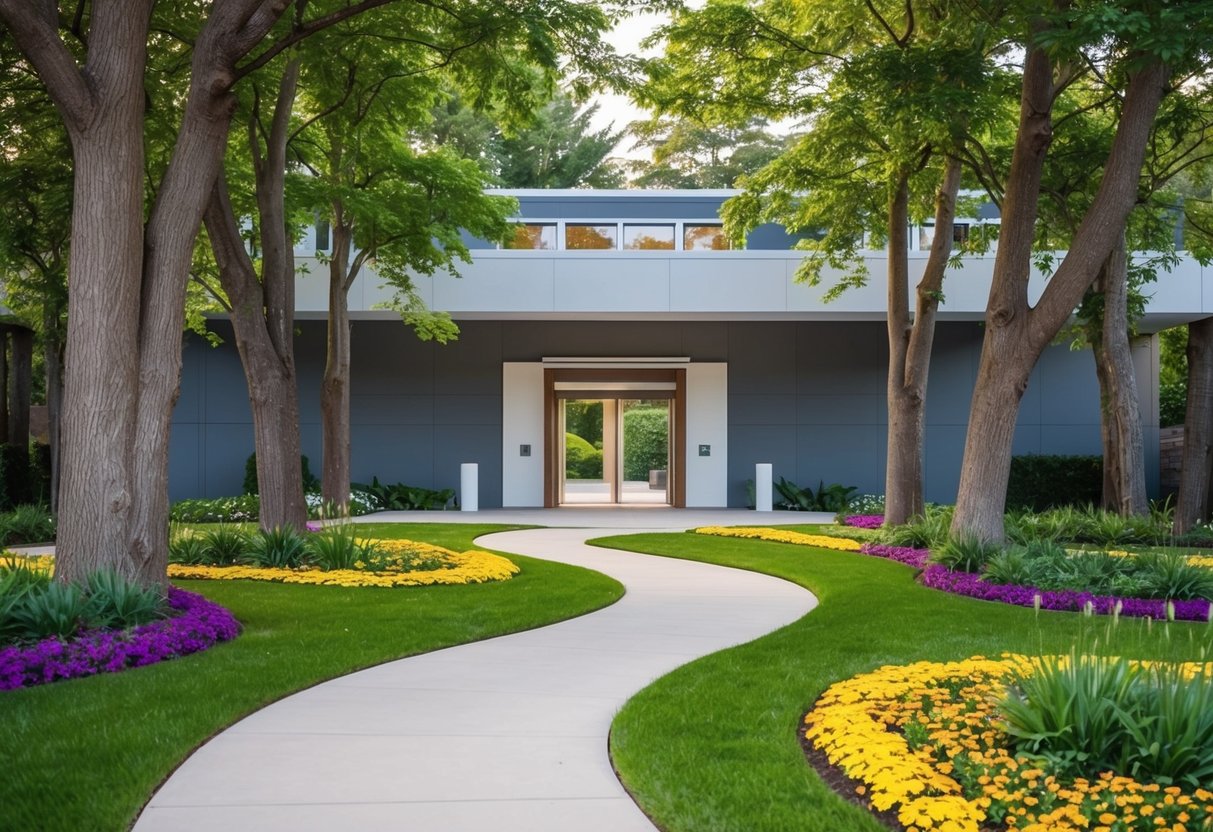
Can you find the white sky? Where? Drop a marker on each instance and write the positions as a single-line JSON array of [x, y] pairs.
[[619, 109]]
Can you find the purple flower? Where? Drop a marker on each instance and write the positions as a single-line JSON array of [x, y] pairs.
[[938, 576], [902, 554], [197, 625], [865, 521]]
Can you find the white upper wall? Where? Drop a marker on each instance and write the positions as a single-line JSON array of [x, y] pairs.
[[705, 285]]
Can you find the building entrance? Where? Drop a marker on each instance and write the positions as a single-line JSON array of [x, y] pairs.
[[614, 436]]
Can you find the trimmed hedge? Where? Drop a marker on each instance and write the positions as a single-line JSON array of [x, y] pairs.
[[645, 442], [1040, 482], [582, 461]]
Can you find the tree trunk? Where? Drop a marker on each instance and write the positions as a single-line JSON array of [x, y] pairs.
[[1196, 467], [1016, 334], [1120, 411], [335, 386], [910, 347], [268, 369]]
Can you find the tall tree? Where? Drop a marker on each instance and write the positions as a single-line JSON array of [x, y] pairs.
[[1146, 45], [686, 153], [129, 262], [890, 91]]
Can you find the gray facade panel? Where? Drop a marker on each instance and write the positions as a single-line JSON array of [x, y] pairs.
[[806, 396]]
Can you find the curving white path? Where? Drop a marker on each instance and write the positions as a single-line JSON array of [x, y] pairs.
[[504, 734]]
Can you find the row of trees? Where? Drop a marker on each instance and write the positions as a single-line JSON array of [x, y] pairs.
[[904, 102]]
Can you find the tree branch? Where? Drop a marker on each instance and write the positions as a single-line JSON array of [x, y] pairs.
[[36, 35], [299, 33]]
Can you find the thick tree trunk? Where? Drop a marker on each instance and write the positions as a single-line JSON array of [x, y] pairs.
[[1015, 333], [269, 370], [910, 347], [1196, 471], [335, 386], [1124, 488]]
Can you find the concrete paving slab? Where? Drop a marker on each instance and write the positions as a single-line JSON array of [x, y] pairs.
[[504, 734]]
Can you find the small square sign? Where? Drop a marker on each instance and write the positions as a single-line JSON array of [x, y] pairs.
[[705, 450], [524, 450]]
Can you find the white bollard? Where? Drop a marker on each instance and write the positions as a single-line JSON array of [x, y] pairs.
[[762, 486], [469, 486]]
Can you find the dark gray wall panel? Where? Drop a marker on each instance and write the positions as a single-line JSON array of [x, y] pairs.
[[807, 396]]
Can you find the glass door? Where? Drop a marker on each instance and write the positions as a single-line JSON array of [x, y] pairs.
[[644, 451], [588, 471]]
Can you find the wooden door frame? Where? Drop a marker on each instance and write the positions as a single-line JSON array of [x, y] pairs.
[[614, 375]]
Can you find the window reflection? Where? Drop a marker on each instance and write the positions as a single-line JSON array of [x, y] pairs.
[[704, 238], [586, 236], [532, 236], [648, 237]]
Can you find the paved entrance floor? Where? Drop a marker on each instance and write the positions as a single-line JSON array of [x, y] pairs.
[[504, 734]]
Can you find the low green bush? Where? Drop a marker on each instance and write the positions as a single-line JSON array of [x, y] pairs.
[[965, 554], [927, 532], [1172, 403], [225, 545], [27, 524], [242, 509], [1087, 714], [400, 496], [646, 442], [582, 461], [834, 497], [1040, 481], [112, 602], [278, 548], [338, 547]]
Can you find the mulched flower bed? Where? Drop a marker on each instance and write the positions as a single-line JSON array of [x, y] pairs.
[[197, 625]]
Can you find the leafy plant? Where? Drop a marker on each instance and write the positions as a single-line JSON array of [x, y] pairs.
[[225, 545], [338, 547], [834, 497], [925, 532], [54, 610], [246, 507], [114, 602], [278, 548], [188, 548], [966, 554], [1087, 714], [28, 524], [402, 497], [18, 581], [1170, 575]]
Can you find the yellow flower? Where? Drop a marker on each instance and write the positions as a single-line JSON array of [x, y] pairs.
[[782, 536]]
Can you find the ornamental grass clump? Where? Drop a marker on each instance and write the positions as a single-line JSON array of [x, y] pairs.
[[338, 547], [225, 545], [1089, 714], [965, 554], [927, 532], [279, 548]]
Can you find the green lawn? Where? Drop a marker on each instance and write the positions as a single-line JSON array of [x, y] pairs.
[[86, 754], [715, 745]]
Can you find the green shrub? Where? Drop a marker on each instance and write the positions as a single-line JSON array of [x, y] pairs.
[[646, 442], [28, 524], [1172, 403], [225, 545], [834, 497], [1040, 482], [54, 610], [244, 508], [278, 548], [114, 602], [1169, 575], [926, 532], [402, 497], [584, 418], [582, 461], [189, 549], [1089, 714], [965, 554], [338, 547], [310, 483], [17, 582]]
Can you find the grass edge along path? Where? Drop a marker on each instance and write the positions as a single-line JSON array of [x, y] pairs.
[[714, 745], [88, 753]]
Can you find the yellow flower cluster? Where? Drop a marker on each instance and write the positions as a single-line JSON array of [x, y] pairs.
[[38, 563], [782, 536], [471, 567], [1195, 559], [925, 739]]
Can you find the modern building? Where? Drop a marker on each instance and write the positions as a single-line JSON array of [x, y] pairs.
[[627, 300]]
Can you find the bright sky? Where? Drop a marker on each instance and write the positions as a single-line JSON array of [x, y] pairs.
[[619, 109]]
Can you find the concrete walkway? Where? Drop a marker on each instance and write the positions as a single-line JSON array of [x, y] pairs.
[[505, 734]]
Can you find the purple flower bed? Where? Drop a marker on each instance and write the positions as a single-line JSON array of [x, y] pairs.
[[865, 521], [938, 576], [199, 625], [902, 554]]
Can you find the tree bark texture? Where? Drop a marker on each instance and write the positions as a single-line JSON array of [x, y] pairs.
[[335, 385], [910, 347], [1124, 463], [1196, 466], [123, 353], [1016, 334]]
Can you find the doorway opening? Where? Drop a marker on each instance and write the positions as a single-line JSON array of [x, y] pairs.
[[613, 436], [616, 450]]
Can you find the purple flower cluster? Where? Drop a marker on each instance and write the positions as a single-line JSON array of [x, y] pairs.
[[865, 521], [902, 554], [197, 625], [938, 576]]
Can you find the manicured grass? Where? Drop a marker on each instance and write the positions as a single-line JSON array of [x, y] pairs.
[[86, 754], [715, 745]]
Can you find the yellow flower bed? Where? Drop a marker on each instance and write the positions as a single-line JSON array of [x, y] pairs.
[[782, 536], [1196, 559], [471, 567], [957, 774], [39, 563]]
